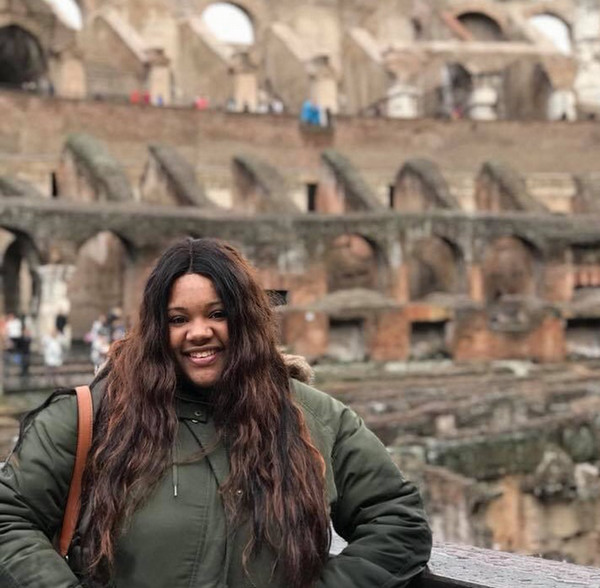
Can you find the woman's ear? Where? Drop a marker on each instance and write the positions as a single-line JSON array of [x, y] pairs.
[[298, 368]]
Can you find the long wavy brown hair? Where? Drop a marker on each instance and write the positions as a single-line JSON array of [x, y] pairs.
[[272, 459]]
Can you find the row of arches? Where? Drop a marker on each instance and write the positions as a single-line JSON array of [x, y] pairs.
[[23, 59], [484, 27], [510, 266], [92, 286]]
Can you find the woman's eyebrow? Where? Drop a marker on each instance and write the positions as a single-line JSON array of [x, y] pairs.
[[184, 308]]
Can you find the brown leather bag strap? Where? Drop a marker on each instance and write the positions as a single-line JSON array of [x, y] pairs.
[[85, 419]]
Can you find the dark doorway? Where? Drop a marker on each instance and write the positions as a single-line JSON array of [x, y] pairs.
[[583, 338], [277, 297], [347, 340], [311, 194], [428, 340], [54, 185], [22, 59]]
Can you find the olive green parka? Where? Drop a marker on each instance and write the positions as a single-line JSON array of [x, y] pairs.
[[179, 538]]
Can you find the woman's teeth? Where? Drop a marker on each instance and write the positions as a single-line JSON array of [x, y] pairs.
[[201, 354]]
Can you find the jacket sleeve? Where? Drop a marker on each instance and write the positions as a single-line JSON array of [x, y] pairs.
[[33, 492], [377, 512]]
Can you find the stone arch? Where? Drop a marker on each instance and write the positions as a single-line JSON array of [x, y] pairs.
[[98, 282], [22, 56], [511, 267], [499, 187], [353, 261], [586, 271], [221, 16], [420, 186], [254, 9], [554, 27], [27, 24], [20, 280], [482, 25], [436, 266]]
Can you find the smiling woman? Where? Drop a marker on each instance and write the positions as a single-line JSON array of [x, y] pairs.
[[211, 464], [229, 23]]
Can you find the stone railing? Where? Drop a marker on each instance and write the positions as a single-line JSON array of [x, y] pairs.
[[457, 566]]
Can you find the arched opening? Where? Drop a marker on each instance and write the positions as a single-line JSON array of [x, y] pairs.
[[436, 267], [481, 26], [229, 23], [22, 59], [586, 274], [583, 333], [20, 281], [510, 268], [555, 30], [352, 262], [97, 285]]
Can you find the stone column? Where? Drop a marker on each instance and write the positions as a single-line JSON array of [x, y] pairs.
[[324, 84], [70, 77], [483, 100], [54, 281], [159, 77], [476, 283], [562, 105], [245, 91], [244, 80], [403, 101]]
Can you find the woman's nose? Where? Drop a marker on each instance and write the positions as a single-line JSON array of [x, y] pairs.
[[199, 329]]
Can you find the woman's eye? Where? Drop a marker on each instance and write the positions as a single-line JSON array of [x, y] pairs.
[[176, 320], [218, 314]]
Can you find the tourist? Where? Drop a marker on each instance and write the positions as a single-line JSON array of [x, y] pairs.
[[24, 347], [276, 106], [135, 97], [53, 352], [14, 332], [99, 350], [99, 325], [61, 322], [209, 465], [201, 103], [307, 112]]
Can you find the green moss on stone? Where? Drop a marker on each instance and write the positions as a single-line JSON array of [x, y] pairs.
[[273, 184], [102, 169], [358, 192], [433, 181], [181, 177], [11, 186], [512, 184]]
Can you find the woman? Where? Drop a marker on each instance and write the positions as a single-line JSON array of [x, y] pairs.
[[209, 466]]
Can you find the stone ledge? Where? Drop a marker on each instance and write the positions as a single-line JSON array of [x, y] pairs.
[[458, 566]]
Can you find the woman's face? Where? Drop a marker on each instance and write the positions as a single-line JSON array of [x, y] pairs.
[[198, 334]]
